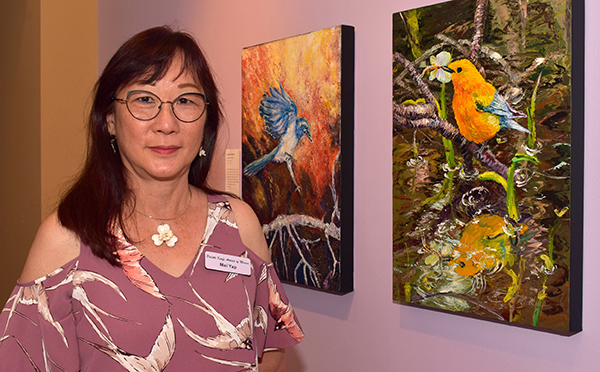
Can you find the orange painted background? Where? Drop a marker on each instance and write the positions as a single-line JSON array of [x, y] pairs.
[[309, 69]]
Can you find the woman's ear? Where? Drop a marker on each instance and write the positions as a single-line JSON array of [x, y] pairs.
[[110, 123]]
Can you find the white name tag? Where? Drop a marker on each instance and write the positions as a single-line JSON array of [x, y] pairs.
[[227, 263]]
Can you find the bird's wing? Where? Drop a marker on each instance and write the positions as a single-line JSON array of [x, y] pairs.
[[505, 113], [500, 107], [260, 318], [220, 342], [164, 346], [223, 325], [160, 355], [130, 261], [278, 111], [283, 313]]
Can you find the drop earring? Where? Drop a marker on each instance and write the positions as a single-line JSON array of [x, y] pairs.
[[201, 152], [113, 143]]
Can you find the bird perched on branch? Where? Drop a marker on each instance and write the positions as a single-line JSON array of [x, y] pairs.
[[480, 111], [280, 114]]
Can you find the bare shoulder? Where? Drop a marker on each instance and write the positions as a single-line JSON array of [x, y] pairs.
[[53, 247], [250, 229]]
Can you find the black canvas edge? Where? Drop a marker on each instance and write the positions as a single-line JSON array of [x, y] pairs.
[[577, 165], [347, 158]]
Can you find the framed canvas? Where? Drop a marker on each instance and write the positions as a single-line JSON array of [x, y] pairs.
[[488, 160], [297, 153]]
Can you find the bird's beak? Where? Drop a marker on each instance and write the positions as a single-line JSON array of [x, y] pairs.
[[436, 67], [308, 134]]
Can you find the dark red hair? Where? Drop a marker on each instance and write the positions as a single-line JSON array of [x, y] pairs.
[[93, 207]]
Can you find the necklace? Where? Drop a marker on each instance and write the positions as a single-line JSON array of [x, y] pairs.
[[165, 234]]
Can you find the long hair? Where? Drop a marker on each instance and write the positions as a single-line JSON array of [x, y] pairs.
[[94, 205]]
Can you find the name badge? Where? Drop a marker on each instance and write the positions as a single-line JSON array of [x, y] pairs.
[[227, 263]]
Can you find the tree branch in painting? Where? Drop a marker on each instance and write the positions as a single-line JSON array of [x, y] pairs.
[[415, 116], [480, 12], [307, 234], [476, 232]]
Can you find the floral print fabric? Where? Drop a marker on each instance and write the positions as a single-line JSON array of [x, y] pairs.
[[91, 316]]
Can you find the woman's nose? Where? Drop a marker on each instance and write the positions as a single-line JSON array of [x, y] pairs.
[[166, 121]]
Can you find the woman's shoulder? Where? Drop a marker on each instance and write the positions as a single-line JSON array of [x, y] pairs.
[[250, 228], [53, 247]]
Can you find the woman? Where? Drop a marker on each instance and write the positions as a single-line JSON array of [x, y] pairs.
[[144, 267]]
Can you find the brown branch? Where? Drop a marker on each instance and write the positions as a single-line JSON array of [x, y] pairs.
[[446, 129], [405, 86], [479, 21], [436, 123], [496, 57], [414, 112], [416, 76], [523, 11], [486, 157], [464, 51], [426, 54], [456, 44], [424, 116]]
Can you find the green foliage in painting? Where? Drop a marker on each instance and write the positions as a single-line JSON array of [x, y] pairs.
[[482, 223]]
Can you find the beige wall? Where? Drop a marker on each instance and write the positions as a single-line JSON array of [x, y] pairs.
[[68, 73], [47, 70], [20, 189]]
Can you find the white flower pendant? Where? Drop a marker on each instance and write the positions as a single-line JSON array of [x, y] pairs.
[[165, 234]]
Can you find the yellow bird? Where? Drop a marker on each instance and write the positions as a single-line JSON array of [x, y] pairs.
[[480, 111]]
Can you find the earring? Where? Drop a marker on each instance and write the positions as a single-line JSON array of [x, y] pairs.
[[201, 152], [113, 143]]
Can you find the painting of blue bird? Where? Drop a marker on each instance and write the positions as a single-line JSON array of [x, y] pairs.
[[280, 115], [292, 163]]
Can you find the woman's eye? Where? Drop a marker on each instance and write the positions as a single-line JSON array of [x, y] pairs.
[[189, 100], [145, 99]]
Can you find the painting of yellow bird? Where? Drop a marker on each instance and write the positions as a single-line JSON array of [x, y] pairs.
[[488, 161], [480, 111]]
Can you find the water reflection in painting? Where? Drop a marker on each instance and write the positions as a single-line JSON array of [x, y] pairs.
[[482, 172]]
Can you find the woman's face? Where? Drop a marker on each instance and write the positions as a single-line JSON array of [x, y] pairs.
[[164, 147]]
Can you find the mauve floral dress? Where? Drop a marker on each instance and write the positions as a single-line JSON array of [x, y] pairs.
[[91, 316]]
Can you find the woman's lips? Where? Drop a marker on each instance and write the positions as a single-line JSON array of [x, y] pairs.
[[164, 150]]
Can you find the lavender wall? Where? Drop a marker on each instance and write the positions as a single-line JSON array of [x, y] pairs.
[[364, 330]]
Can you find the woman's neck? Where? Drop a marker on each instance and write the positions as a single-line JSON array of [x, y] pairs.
[[162, 200]]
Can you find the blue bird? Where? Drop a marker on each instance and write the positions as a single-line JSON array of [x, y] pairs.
[[280, 114]]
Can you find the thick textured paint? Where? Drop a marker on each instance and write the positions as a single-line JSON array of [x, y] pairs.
[[472, 92], [308, 69]]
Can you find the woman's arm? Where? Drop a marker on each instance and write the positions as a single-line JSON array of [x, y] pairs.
[[53, 247], [272, 361], [37, 320]]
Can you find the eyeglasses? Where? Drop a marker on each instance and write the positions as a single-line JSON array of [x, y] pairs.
[[144, 105]]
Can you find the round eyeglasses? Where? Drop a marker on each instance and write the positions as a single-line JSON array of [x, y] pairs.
[[144, 105]]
